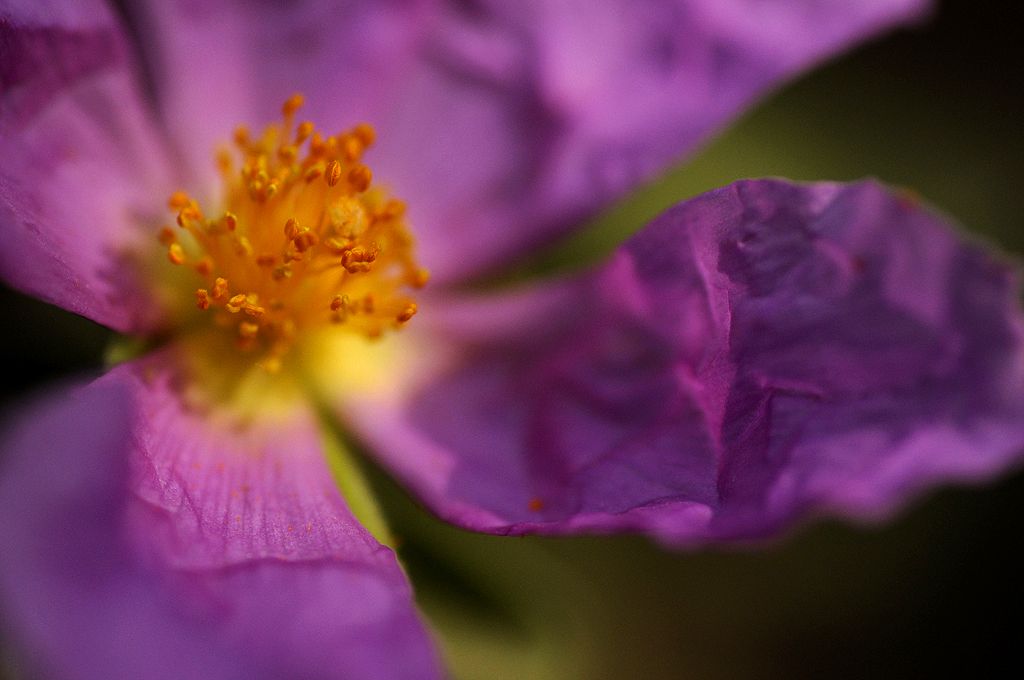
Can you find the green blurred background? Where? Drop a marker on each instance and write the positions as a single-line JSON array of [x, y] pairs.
[[938, 591]]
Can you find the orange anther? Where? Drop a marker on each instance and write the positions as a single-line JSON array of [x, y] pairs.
[[187, 216], [352, 148], [253, 310], [176, 254], [360, 177], [407, 312], [287, 154], [316, 144], [366, 134], [235, 303], [178, 200], [313, 173], [420, 278], [242, 135], [357, 259], [333, 174], [292, 104], [202, 298], [303, 132], [220, 288], [291, 228], [167, 236], [305, 240], [393, 209], [224, 161]]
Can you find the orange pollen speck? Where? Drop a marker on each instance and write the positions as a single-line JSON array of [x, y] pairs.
[[344, 256]]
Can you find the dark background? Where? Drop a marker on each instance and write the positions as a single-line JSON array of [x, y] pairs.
[[937, 592]]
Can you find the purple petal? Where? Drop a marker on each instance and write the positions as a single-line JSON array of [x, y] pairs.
[[140, 542], [82, 164], [504, 124], [759, 354], [223, 63]]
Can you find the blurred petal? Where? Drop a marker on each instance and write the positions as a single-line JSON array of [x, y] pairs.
[[82, 162], [140, 543], [75, 601], [762, 353], [504, 124], [221, 63], [525, 119]]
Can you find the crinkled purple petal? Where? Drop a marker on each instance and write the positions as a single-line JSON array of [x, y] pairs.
[[141, 543], [82, 163], [504, 124], [757, 355]]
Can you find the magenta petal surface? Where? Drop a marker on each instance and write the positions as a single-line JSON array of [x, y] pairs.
[[82, 164], [229, 62], [503, 124], [759, 354], [524, 119], [139, 543]]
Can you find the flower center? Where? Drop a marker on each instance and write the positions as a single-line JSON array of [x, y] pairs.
[[304, 240]]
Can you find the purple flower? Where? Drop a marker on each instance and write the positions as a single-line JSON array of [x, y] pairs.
[[757, 355]]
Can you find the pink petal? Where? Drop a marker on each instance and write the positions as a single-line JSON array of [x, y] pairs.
[[83, 166], [140, 542], [227, 62]]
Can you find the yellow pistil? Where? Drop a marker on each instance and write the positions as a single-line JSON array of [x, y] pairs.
[[303, 241]]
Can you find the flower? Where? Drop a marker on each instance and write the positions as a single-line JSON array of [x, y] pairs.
[[756, 355]]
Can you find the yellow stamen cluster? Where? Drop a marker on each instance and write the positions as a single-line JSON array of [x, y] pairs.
[[304, 239]]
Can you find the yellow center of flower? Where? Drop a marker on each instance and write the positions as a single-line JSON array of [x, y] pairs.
[[303, 240]]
